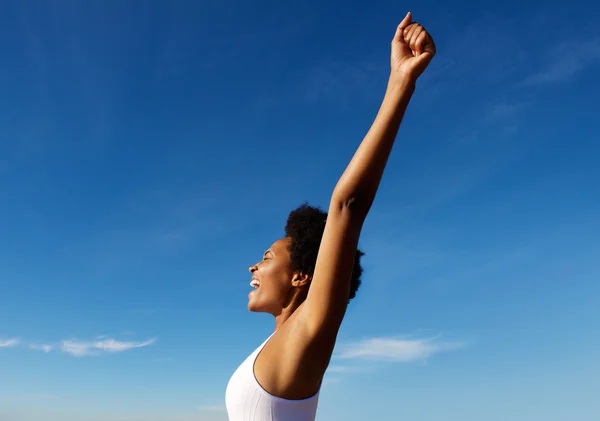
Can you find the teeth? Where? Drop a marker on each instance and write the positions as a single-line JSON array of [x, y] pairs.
[[254, 283]]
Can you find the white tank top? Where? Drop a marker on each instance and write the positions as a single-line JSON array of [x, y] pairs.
[[246, 400]]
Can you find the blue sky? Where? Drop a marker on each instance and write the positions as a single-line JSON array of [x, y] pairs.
[[149, 155]]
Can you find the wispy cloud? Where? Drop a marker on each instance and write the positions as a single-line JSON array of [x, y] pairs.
[[338, 369], [496, 55], [502, 110], [565, 61], [83, 348], [331, 380], [79, 348], [397, 350], [41, 347], [335, 81], [8, 343], [483, 38]]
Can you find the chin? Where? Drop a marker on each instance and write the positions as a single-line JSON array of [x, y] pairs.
[[254, 302], [253, 307]]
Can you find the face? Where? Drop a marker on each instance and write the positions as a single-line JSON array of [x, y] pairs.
[[272, 279]]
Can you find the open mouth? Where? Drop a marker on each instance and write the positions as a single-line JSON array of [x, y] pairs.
[[255, 283]]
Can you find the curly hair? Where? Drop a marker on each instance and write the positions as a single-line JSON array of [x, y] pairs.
[[305, 226]]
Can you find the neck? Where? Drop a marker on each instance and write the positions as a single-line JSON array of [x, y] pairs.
[[287, 312]]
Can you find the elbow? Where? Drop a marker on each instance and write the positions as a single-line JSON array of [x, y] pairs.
[[353, 205]]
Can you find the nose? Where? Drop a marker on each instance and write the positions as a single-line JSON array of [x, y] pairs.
[[253, 268]]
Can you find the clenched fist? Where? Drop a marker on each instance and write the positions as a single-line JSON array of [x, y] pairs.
[[412, 49]]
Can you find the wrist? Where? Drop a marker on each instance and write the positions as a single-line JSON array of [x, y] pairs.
[[400, 89], [401, 81]]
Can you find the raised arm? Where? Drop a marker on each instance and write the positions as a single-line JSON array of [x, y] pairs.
[[325, 306]]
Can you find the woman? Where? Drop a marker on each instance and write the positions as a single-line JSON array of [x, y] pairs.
[[306, 279]]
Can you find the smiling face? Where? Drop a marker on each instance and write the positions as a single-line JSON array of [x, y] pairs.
[[272, 280]]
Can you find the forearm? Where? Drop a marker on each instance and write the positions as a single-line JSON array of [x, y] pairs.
[[359, 182]]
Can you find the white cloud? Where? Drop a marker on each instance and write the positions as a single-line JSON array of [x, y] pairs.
[[396, 350], [41, 347], [331, 380], [567, 59], [77, 349], [82, 348], [503, 110], [111, 345], [8, 343], [338, 369]]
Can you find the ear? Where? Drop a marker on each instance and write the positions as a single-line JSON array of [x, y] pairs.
[[300, 279]]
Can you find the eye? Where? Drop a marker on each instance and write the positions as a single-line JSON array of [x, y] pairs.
[[267, 256]]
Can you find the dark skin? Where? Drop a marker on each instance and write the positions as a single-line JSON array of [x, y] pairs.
[[281, 293], [282, 289], [309, 310]]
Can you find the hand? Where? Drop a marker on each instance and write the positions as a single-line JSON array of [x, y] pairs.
[[412, 49]]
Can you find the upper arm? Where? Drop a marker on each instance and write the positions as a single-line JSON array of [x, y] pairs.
[[298, 357], [329, 291]]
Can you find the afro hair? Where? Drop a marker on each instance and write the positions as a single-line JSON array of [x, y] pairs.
[[305, 226]]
